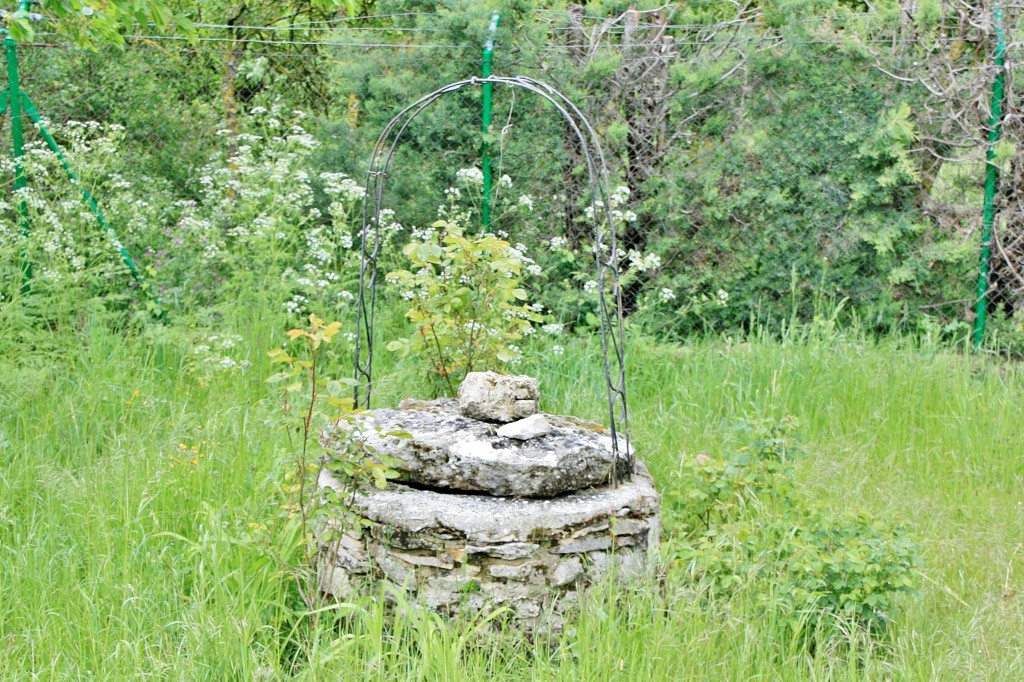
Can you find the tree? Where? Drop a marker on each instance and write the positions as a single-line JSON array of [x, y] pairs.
[[294, 24], [94, 23]]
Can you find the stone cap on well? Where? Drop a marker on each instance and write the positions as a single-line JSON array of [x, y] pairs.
[[543, 456], [493, 397]]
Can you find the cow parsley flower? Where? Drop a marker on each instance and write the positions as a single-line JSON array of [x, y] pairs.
[[469, 176]]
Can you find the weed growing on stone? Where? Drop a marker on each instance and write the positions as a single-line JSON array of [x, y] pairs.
[[466, 302], [312, 403]]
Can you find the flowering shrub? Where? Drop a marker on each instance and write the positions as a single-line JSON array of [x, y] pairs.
[[566, 267], [257, 220], [215, 354], [65, 246], [259, 224]]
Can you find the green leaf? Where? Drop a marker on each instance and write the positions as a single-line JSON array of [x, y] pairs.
[[21, 29], [345, 404], [398, 345], [279, 355], [185, 25]]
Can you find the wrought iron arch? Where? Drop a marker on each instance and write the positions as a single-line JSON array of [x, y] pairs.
[[605, 249]]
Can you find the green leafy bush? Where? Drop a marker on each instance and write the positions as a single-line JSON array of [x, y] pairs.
[[466, 301], [741, 526], [258, 223]]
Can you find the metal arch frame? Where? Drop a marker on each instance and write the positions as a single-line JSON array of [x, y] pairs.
[[605, 250]]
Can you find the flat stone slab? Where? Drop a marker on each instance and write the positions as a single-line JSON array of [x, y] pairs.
[[449, 451], [470, 551], [534, 426]]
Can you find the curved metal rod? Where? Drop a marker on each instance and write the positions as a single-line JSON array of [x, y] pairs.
[[616, 393], [612, 334], [413, 110], [375, 180], [616, 335], [540, 88]]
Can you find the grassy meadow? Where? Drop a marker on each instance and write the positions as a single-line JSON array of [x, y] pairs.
[[138, 510], [787, 160]]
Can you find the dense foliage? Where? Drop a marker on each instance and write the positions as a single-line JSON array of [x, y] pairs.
[[739, 525], [771, 170]]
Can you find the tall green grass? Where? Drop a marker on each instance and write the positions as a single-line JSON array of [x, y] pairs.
[[114, 564]]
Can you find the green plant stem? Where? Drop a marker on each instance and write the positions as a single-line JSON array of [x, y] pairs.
[[440, 358]]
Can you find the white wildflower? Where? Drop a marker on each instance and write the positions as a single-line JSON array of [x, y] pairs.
[[469, 176]]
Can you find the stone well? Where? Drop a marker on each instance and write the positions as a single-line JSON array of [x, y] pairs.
[[519, 514]]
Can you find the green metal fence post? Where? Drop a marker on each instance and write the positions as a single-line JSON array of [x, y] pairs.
[[18, 144], [32, 113], [21, 106], [485, 71], [991, 178]]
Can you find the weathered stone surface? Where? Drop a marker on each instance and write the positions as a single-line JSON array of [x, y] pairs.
[[512, 572], [497, 506], [534, 426], [494, 397], [335, 580], [349, 553], [483, 520], [589, 544], [509, 551], [453, 452], [531, 555], [568, 571]]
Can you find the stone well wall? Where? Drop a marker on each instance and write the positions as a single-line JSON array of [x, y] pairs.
[[483, 517]]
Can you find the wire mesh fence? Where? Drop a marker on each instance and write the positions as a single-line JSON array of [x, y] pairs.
[[772, 167]]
